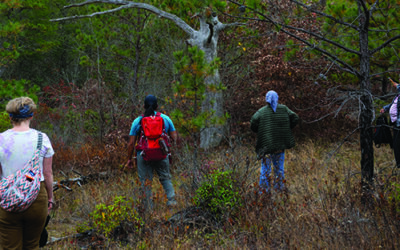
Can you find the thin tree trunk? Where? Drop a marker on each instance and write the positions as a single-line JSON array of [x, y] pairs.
[[207, 41], [385, 84], [212, 135], [366, 116]]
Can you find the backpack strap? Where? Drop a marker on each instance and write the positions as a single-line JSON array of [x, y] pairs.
[[38, 146], [163, 122], [40, 141]]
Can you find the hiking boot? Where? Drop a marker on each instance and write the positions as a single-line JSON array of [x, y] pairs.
[[172, 203]]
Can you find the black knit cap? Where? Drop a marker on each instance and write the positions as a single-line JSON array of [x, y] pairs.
[[150, 100]]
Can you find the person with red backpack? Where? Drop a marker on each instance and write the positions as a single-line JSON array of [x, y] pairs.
[[150, 136]]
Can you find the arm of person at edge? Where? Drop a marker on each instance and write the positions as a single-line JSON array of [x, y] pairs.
[[387, 107], [131, 149], [174, 136], [254, 122], [48, 179], [293, 118]]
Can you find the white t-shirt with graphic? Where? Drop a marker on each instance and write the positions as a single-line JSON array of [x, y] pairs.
[[17, 148]]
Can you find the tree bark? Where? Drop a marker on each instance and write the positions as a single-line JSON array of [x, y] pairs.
[[385, 84], [366, 112], [207, 40], [212, 135]]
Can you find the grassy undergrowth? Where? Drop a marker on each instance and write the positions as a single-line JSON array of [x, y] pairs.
[[322, 207]]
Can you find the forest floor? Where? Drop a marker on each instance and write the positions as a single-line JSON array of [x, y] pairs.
[[323, 206]]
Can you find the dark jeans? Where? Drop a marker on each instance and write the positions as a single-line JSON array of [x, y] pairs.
[[145, 171], [396, 145]]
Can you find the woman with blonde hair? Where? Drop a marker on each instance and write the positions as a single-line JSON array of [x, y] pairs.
[[22, 230]]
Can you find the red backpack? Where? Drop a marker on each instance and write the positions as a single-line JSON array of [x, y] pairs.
[[153, 141]]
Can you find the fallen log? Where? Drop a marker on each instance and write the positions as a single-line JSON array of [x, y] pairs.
[[53, 240], [81, 180]]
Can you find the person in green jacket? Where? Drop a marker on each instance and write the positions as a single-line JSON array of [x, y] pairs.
[[273, 124]]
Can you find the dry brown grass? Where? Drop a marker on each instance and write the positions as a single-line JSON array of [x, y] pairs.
[[322, 208]]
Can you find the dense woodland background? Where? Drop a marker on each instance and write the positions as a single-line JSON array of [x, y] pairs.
[[89, 77]]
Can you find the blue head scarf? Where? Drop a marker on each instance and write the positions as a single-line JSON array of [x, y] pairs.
[[23, 112], [272, 98]]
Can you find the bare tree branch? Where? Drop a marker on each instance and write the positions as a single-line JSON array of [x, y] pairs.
[[309, 8], [347, 67], [117, 2], [343, 101], [282, 27], [384, 44], [342, 142], [364, 7], [89, 15], [384, 31], [343, 68], [388, 71], [218, 26], [373, 8], [228, 25], [322, 38], [127, 4]]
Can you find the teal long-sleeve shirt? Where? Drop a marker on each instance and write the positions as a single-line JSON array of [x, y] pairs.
[[274, 129]]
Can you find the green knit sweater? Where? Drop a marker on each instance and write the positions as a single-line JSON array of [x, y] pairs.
[[274, 130]]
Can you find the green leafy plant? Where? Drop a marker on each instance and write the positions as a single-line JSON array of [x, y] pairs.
[[191, 89], [4, 121], [91, 121], [219, 193], [105, 219], [11, 89], [190, 92], [16, 88], [394, 196]]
